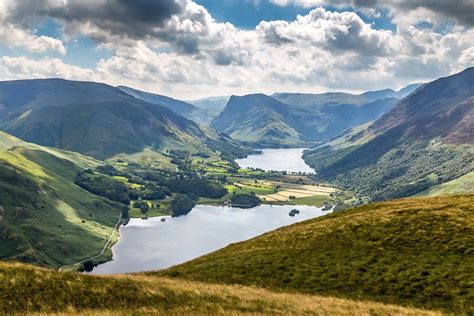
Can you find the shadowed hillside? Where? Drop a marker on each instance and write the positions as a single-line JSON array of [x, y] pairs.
[[91, 118], [185, 109]]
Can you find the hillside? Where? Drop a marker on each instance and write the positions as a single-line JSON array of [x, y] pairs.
[[264, 121], [26, 289], [267, 121], [427, 139], [91, 118], [48, 219], [414, 252], [184, 109], [461, 185]]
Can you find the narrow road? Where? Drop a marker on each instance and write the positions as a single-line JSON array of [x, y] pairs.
[[103, 249]]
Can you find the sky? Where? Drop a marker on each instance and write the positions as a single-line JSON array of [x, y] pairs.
[[190, 49]]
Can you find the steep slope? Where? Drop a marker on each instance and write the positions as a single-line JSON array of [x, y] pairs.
[[415, 252], [47, 219], [427, 139], [264, 121], [185, 109], [26, 289], [91, 118]]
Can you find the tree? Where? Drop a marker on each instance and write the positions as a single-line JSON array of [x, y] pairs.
[[88, 266], [182, 205]]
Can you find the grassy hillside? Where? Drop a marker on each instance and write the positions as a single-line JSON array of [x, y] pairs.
[[26, 289], [461, 185], [48, 219], [91, 118], [416, 252], [426, 140]]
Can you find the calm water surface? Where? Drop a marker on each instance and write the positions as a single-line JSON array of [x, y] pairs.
[[277, 159], [152, 244]]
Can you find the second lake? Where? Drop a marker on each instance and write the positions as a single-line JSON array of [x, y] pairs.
[[278, 160]]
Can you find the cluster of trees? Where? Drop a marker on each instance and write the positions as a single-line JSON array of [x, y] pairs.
[[142, 205], [245, 200], [198, 187], [182, 204], [149, 192], [103, 186]]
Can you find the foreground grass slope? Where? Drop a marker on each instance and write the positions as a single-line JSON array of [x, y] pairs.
[[414, 252], [26, 289]]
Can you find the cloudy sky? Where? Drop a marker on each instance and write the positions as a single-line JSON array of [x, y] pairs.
[[195, 48]]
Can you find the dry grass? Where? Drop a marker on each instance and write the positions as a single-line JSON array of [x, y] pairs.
[[26, 289], [412, 252]]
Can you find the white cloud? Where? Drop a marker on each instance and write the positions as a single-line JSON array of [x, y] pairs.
[[190, 55], [23, 67], [17, 37]]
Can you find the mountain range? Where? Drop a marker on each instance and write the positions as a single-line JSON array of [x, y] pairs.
[[67, 178], [294, 119], [426, 139], [91, 118]]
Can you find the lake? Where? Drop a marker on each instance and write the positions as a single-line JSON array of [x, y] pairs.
[[152, 244], [277, 159]]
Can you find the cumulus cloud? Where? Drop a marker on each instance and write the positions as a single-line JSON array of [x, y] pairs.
[[335, 31], [19, 37], [184, 52], [133, 19], [461, 10], [22, 67]]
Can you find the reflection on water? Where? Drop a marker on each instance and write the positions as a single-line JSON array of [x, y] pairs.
[[277, 159], [152, 244]]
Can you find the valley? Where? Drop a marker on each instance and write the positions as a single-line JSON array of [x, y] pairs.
[[198, 157], [124, 181]]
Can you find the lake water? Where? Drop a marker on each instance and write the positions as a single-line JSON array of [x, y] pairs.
[[277, 159], [152, 244]]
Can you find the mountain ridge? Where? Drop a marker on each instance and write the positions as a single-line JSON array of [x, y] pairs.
[[425, 140], [94, 119]]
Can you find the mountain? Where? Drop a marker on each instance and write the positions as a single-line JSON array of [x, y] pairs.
[[213, 105], [317, 101], [185, 109], [264, 121], [413, 252], [425, 140], [27, 289], [47, 219], [91, 118]]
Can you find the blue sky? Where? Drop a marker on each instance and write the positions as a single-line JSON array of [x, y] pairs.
[[192, 49]]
